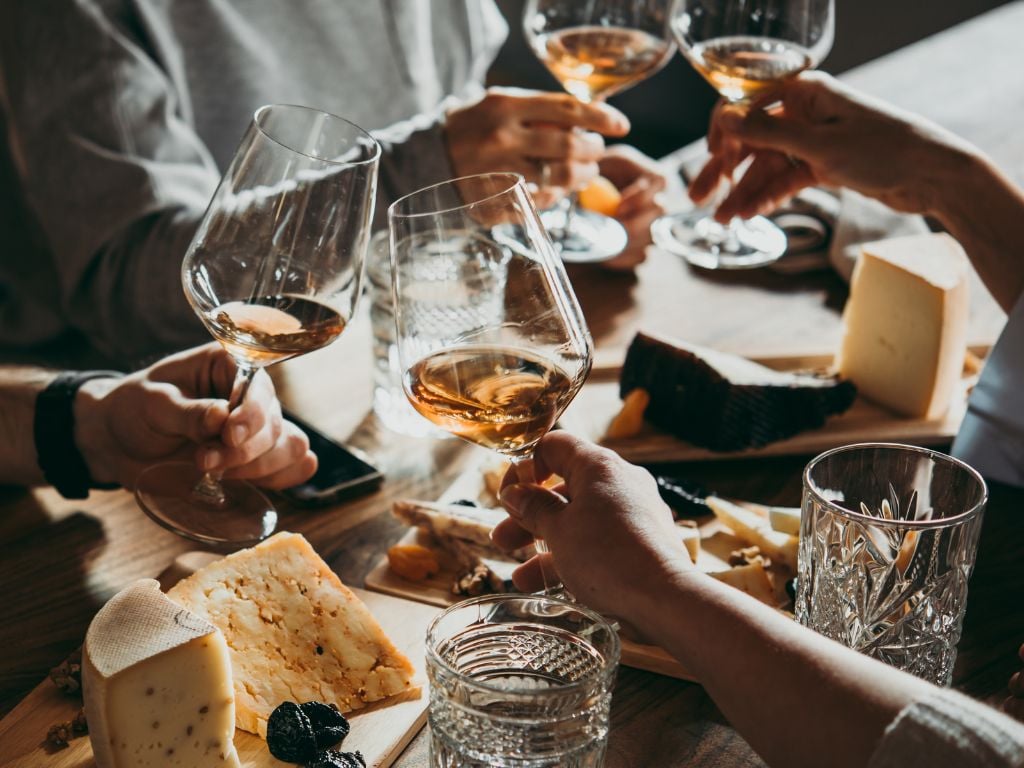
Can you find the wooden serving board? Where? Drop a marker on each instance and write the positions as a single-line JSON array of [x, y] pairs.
[[598, 402], [716, 544], [380, 732]]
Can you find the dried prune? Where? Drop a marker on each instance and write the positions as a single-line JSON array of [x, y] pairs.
[[332, 759], [329, 725], [290, 735]]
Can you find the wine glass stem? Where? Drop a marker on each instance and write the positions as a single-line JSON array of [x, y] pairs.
[[526, 473], [209, 490]]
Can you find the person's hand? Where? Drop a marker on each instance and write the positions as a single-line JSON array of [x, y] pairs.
[[611, 536], [552, 139], [640, 180], [822, 132], [177, 410]]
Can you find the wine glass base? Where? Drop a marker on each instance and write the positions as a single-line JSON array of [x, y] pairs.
[[590, 237], [705, 243], [166, 493]]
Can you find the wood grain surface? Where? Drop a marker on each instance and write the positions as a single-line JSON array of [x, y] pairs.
[[60, 560]]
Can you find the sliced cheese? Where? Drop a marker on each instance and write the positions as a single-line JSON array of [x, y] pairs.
[[785, 519], [156, 680], [905, 324], [780, 548], [752, 579], [690, 536], [294, 631]]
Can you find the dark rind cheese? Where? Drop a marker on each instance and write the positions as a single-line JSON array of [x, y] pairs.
[[724, 402]]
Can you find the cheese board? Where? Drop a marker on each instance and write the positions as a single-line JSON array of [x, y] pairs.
[[379, 731], [598, 402], [716, 544]]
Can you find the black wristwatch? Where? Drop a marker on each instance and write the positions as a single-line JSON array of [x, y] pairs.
[[54, 429]]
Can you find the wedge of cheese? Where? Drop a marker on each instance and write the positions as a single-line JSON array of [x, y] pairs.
[[756, 530], [294, 631], [905, 324], [156, 680]]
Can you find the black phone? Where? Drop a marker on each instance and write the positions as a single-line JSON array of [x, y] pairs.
[[342, 473]]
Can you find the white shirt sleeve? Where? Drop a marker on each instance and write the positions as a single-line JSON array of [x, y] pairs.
[[991, 438], [950, 730]]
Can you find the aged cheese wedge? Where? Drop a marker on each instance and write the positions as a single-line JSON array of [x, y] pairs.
[[156, 680], [905, 323], [294, 631], [453, 524], [780, 548], [724, 402], [752, 579]]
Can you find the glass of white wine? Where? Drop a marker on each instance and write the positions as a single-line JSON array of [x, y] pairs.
[[744, 49], [595, 49], [490, 335], [274, 271]]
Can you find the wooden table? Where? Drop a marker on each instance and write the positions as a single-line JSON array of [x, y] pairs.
[[60, 560]]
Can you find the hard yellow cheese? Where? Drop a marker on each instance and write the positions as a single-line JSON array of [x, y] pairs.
[[294, 631], [906, 323], [156, 680]]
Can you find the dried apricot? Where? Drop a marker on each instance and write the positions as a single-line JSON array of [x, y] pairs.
[[600, 196], [413, 562]]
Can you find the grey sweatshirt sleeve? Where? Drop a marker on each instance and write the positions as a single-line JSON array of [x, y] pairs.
[[117, 179], [949, 729]]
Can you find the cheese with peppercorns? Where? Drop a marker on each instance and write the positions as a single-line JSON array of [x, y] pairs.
[[294, 631], [156, 680]]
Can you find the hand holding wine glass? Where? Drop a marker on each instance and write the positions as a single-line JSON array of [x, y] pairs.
[[595, 49], [746, 49], [490, 335], [274, 271]]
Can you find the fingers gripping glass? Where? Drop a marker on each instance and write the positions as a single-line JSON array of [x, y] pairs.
[[744, 49], [274, 271], [595, 49], [491, 339]]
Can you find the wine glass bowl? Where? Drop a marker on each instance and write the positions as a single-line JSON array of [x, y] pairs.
[[274, 271], [745, 49], [595, 49], [490, 336]]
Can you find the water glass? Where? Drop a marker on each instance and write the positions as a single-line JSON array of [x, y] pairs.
[[521, 681], [888, 540]]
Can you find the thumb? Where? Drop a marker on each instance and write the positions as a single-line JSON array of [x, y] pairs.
[[532, 506], [195, 419]]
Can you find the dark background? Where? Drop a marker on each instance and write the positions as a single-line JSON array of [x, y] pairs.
[[671, 109]]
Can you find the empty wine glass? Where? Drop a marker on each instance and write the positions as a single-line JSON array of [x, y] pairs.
[[745, 49], [274, 271], [595, 49], [490, 336]]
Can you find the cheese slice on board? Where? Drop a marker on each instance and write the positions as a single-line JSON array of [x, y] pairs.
[[156, 680], [294, 631], [905, 324]]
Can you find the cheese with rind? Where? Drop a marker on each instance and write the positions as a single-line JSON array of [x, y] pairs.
[[294, 631], [156, 681], [905, 323]]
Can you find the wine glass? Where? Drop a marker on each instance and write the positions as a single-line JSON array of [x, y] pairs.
[[745, 49], [491, 339], [595, 49], [274, 271]]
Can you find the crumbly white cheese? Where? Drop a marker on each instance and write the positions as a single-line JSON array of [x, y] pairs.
[[294, 631], [905, 323], [156, 680]]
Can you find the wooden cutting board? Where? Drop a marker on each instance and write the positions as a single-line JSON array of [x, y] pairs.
[[380, 732], [598, 402], [716, 544]]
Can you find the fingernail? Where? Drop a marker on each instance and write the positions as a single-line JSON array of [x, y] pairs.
[[511, 498], [212, 459], [238, 434]]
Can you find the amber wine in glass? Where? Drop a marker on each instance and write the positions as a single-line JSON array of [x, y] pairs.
[[744, 49], [595, 49], [274, 271], [490, 336]]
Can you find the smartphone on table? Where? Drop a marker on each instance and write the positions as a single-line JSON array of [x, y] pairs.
[[341, 473]]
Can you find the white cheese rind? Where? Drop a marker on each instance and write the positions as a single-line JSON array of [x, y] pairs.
[[294, 631], [905, 324], [156, 682]]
